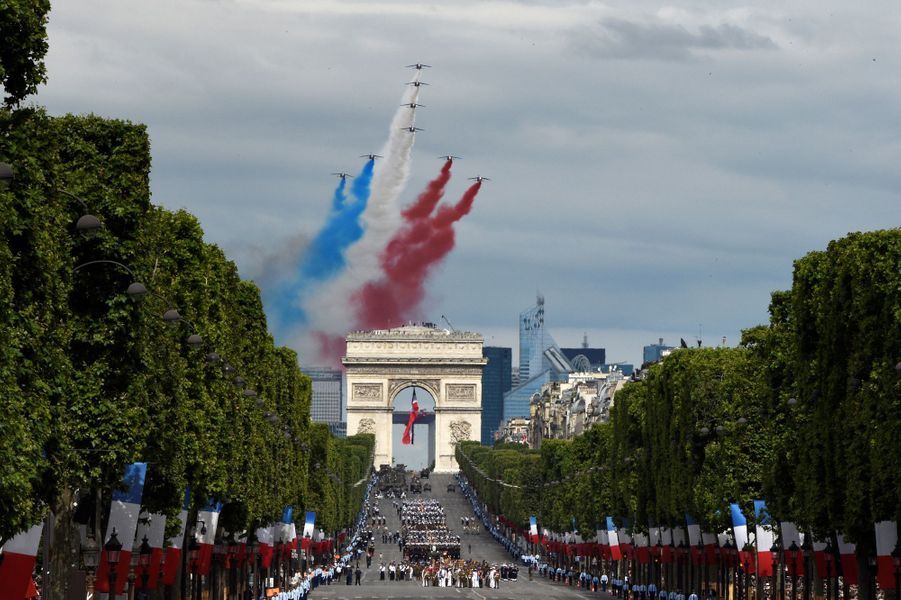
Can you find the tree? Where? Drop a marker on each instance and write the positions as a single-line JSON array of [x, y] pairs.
[[23, 29]]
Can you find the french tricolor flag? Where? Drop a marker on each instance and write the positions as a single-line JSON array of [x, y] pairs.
[[603, 541], [615, 551], [694, 539], [847, 551], [266, 544], [791, 534], [533, 530], [819, 556], [641, 548], [886, 538], [740, 535], [173, 552], [153, 527], [208, 518], [309, 530], [666, 538], [710, 546], [625, 540], [765, 539], [739, 527], [288, 529], [17, 564], [123, 519]]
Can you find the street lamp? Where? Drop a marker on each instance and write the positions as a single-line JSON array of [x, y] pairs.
[[87, 224], [144, 561], [113, 548], [136, 290], [776, 552], [6, 173], [746, 551], [232, 565], [90, 558], [791, 555], [193, 553], [219, 551]]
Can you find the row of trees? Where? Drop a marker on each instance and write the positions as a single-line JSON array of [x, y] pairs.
[[92, 379], [804, 413]]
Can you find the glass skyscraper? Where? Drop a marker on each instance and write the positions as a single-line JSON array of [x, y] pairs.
[[328, 387], [496, 381], [540, 361]]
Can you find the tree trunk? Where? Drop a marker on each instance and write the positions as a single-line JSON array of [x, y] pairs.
[[64, 547]]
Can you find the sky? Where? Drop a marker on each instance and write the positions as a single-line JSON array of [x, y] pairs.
[[655, 167]]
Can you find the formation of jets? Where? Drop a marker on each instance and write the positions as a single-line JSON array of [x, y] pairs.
[[413, 129]]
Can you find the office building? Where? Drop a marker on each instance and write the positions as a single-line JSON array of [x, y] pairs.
[[328, 388], [655, 352], [496, 381], [540, 361]]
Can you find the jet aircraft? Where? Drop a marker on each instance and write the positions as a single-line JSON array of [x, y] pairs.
[[371, 156], [413, 105], [479, 178], [450, 157], [412, 129], [342, 175], [419, 66], [417, 83]]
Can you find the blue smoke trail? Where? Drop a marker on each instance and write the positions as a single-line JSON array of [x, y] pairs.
[[325, 256]]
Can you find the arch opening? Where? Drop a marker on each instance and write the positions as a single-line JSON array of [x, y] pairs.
[[420, 453]]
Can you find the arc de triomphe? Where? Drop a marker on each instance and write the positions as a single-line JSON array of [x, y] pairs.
[[448, 364]]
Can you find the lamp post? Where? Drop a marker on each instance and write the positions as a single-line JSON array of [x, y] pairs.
[[232, 566], [658, 555], [193, 552], [90, 557], [746, 553], [219, 555], [791, 555], [807, 550], [113, 547], [144, 561], [684, 566], [728, 570], [702, 568], [778, 582]]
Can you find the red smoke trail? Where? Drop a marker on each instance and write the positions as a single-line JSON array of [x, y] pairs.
[[429, 198], [331, 347], [407, 261]]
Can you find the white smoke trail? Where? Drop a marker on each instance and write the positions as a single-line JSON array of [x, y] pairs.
[[329, 309]]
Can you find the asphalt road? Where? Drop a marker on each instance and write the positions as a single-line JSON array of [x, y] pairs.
[[483, 547]]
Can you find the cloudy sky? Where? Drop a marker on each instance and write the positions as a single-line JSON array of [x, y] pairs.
[[655, 166]]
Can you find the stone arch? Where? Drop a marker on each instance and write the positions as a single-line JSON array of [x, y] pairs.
[[381, 364]]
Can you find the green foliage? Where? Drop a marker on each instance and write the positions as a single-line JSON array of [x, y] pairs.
[[706, 427], [91, 380], [23, 31]]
